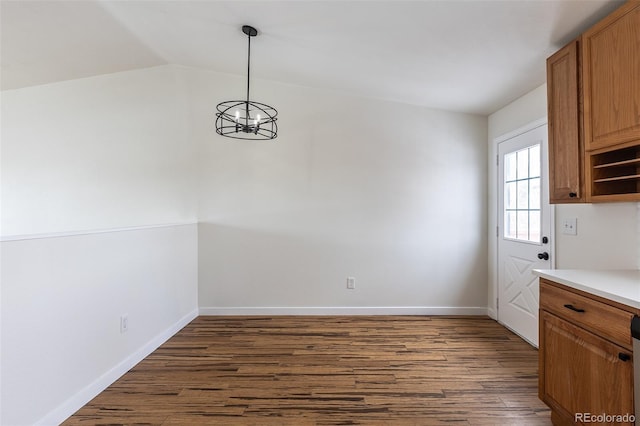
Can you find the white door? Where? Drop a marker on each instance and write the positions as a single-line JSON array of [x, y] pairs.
[[524, 229]]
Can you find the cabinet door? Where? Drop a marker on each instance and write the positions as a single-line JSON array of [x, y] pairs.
[[566, 152], [611, 77], [582, 373]]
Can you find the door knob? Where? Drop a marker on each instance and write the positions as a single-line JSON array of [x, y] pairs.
[[543, 256]]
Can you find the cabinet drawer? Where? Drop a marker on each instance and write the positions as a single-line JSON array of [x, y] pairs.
[[582, 372], [609, 322]]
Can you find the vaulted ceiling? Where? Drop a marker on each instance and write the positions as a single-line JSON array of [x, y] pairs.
[[470, 56]]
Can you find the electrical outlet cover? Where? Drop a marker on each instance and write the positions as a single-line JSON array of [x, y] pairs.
[[124, 323], [351, 283]]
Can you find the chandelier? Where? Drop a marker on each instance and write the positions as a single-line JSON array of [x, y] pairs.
[[247, 119]]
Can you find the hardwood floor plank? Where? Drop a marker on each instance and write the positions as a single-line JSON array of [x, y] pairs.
[[362, 370]]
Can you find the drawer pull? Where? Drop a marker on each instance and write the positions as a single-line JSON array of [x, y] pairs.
[[573, 308], [624, 357]]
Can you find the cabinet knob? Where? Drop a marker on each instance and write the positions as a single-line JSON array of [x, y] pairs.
[[624, 357], [573, 194]]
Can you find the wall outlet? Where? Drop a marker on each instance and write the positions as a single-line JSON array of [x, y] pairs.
[[124, 323], [351, 283], [570, 226]]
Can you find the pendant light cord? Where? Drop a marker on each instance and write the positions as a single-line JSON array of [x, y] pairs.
[[246, 118]]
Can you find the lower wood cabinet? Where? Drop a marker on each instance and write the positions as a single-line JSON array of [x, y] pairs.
[[583, 370]]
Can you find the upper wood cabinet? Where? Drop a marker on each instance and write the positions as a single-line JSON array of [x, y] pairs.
[[566, 153], [611, 79], [593, 87]]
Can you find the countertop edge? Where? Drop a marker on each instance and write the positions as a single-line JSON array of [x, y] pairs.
[[578, 282]]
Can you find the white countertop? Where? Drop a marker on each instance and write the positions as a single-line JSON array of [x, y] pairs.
[[621, 286]]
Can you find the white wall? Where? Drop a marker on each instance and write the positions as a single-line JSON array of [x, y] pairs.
[[607, 237], [391, 194], [62, 298], [101, 178], [608, 234], [90, 168], [101, 152]]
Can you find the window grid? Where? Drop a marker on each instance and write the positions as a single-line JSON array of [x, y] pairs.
[[518, 186]]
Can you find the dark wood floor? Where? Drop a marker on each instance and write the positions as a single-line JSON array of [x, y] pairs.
[[382, 370]]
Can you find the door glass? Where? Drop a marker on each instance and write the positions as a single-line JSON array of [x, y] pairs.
[[522, 194]]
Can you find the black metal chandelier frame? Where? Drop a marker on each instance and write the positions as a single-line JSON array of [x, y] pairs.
[[247, 119]]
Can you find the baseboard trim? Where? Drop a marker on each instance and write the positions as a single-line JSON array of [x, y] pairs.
[[77, 401], [357, 310]]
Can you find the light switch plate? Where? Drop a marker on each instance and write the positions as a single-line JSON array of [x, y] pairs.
[[570, 226]]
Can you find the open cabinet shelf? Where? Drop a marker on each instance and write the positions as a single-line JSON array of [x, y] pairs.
[[611, 179], [618, 163], [615, 174]]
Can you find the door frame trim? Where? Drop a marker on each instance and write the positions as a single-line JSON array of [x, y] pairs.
[[552, 212], [521, 130]]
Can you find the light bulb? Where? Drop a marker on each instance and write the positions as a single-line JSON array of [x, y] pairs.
[[237, 116]]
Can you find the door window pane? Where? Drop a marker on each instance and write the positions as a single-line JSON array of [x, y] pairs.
[[523, 225], [510, 195], [522, 171], [534, 225], [510, 167], [522, 194], [534, 161], [534, 193]]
